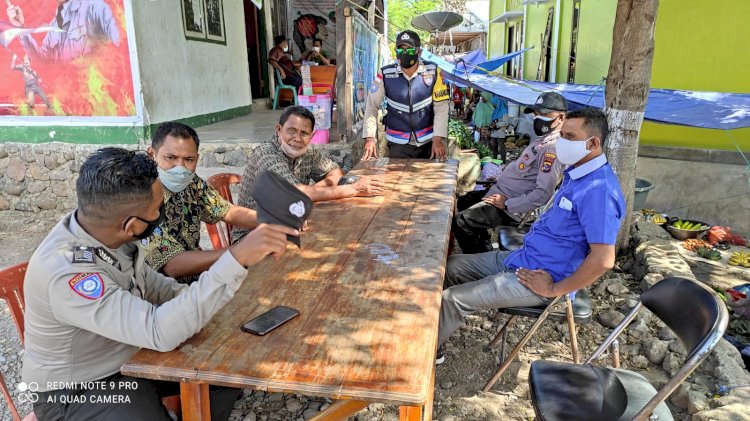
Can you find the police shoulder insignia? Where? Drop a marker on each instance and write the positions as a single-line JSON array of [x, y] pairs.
[[87, 285], [549, 159], [428, 78], [83, 254], [521, 166], [373, 87], [106, 256]]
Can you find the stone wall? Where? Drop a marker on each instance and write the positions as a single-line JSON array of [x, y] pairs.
[[42, 177]]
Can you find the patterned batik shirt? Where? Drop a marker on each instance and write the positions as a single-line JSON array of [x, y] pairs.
[[307, 169], [181, 228]]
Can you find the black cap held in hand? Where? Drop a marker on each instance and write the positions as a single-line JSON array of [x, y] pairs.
[[548, 102], [280, 203]]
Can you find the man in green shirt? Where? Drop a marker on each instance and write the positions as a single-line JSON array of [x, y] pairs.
[[317, 54]]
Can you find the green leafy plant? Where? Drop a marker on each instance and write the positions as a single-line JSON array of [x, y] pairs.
[[458, 130]]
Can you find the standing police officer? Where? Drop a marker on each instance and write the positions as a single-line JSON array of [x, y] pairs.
[[418, 105], [92, 302]]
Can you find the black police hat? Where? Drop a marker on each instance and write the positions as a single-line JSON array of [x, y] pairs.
[[279, 202], [409, 38], [548, 102]]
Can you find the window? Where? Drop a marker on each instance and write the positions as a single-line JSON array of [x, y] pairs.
[[574, 41]]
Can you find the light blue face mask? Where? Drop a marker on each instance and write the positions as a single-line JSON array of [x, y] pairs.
[[175, 179]]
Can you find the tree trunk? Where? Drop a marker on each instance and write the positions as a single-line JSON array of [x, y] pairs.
[[626, 94]]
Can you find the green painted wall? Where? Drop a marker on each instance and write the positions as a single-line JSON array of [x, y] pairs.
[[536, 23], [496, 32], [594, 39], [702, 46], [711, 58]]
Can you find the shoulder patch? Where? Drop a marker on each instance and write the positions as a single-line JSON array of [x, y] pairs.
[[87, 285], [83, 254], [548, 160], [374, 87]]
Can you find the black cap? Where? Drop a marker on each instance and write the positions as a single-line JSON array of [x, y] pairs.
[[278, 39], [408, 38], [280, 203], [548, 102]]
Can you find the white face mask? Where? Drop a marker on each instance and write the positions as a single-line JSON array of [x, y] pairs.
[[291, 152], [285, 49], [316, 49], [571, 151]]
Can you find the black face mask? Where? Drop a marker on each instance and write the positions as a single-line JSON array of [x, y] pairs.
[[543, 125], [407, 60], [152, 225]]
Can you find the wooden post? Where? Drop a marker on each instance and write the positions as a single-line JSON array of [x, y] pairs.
[[195, 401], [344, 71], [626, 94]]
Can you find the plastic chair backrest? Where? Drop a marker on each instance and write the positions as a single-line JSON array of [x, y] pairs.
[[280, 82], [676, 300], [221, 232], [11, 290]]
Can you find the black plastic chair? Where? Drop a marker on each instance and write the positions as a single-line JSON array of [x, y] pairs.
[[564, 391], [578, 310]]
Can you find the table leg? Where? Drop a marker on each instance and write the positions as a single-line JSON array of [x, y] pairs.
[[340, 410], [411, 413], [195, 401]]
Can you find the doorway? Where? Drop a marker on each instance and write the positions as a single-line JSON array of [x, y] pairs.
[[257, 51]]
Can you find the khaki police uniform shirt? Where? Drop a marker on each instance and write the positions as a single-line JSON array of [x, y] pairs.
[[440, 105], [529, 181], [84, 319]]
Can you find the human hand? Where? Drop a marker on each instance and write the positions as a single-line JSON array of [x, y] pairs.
[[438, 149], [263, 240], [496, 200], [370, 149], [369, 186], [15, 15], [282, 74], [538, 281]]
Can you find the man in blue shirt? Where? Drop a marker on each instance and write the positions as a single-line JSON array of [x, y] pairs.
[[567, 249]]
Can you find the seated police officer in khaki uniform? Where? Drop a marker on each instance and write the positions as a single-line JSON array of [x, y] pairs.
[[524, 185], [92, 302]]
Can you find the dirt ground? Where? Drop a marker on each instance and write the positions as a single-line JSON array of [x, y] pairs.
[[469, 362]]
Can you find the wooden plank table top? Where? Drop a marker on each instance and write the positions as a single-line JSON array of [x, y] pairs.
[[367, 283]]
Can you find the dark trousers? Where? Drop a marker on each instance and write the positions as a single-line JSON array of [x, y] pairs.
[[472, 221], [410, 151], [124, 398], [293, 79]]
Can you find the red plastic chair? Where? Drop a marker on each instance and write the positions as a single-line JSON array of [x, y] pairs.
[[11, 290], [221, 232]]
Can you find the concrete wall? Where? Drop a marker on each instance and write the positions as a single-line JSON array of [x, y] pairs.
[[700, 184], [184, 78]]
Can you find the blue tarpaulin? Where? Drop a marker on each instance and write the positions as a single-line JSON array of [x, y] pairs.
[[710, 110]]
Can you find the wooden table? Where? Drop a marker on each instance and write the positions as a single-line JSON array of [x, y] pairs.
[[367, 283]]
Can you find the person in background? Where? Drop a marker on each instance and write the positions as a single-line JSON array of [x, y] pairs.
[[311, 170], [418, 105], [278, 57], [317, 54], [524, 185]]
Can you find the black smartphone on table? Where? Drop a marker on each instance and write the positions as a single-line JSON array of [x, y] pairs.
[[270, 320]]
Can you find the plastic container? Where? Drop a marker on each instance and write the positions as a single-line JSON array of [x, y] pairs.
[[321, 106], [642, 187], [320, 137]]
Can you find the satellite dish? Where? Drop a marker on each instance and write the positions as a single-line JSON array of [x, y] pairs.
[[437, 21]]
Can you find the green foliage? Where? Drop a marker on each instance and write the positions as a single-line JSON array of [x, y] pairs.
[[484, 150], [401, 12], [458, 130]]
